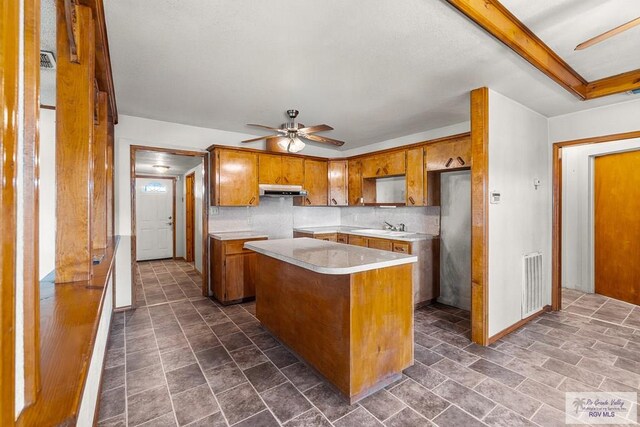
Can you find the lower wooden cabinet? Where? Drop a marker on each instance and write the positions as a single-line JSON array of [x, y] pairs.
[[233, 270]]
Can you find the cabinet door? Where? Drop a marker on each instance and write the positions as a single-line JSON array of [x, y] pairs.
[[445, 155], [240, 272], [415, 177], [358, 240], [381, 165], [371, 166], [236, 178], [354, 170], [315, 182], [382, 244], [329, 237], [342, 238], [338, 177], [292, 171], [401, 247], [270, 167]]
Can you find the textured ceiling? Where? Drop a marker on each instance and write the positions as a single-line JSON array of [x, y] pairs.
[[178, 164], [563, 24], [373, 70]]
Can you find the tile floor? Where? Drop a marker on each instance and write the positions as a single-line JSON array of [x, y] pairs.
[[193, 362]]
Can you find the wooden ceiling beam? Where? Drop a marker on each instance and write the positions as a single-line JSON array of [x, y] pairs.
[[492, 16], [615, 84]]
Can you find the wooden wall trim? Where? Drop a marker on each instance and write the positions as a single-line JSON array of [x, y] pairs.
[[99, 153], [499, 22], [519, 324], [556, 233], [9, 73], [74, 136], [479, 215]]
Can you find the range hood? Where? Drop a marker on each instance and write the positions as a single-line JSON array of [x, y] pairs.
[[268, 190]]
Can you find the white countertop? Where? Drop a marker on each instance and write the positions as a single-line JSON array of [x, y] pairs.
[[238, 235], [360, 231], [328, 257]]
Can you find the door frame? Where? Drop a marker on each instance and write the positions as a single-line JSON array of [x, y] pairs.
[[173, 202], [190, 238], [556, 239], [205, 210]]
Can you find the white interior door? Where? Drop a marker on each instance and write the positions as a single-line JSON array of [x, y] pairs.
[[154, 218]]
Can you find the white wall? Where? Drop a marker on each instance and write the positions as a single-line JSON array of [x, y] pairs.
[[521, 223], [47, 196], [577, 210], [616, 118]]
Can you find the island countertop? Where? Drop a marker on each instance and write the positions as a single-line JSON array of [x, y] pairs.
[[367, 232], [328, 257]]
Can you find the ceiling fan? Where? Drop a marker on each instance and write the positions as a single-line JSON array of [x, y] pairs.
[[290, 134], [607, 34]]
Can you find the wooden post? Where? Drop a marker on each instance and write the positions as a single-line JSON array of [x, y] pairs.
[[74, 138], [99, 205], [110, 182]]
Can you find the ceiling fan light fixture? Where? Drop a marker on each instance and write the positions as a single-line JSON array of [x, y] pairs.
[[292, 145]]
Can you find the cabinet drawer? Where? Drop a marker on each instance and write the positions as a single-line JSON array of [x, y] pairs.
[[342, 238], [330, 237], [404, 248], [381, 244], [237, 247], [358, 241]]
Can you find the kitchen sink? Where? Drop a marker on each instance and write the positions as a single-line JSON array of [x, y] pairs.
[[388, 233]]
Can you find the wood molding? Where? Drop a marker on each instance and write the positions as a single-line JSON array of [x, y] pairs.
[[99, 161], [556, 233], [155, 176], [71, 26], [619, 83], [498, 21], [519, 324], [479, 215], [74, 136], [493, 17], [9, 77]]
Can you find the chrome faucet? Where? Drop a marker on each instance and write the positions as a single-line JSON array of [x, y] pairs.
[[399, 227]]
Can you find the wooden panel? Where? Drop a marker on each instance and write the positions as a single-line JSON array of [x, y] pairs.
[[381, 326], [74, 136], [329, 237], [501, 24], [354, 170], [342, 238], [358, 240], [556, 239], [232, 247], [315, 182], [338, 183], [110, 182], [404, 248], [99, 151], [216, 266], [297, 234], [190, 217], [615, 84], [416, 177], [392, 163], [454, 154], [292, 170], [617, 226], [237, 178], [479, 214], [382, 244], [239, 271], [270, 169]]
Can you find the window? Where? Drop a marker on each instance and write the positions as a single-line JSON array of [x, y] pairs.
[[155, 187]]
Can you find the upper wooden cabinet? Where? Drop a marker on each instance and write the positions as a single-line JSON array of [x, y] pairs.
[[416, 177], [278, 169], [387, 164], [338, 183], [234, 178], [315, 182], [354, 182], [453, 154]]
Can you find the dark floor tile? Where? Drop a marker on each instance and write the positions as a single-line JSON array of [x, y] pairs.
[[419, 398], [224, 377], [455, 340], [235, 341], [249, 356], [113, 378], [281, 357], [203, 341], [252, 328], [215, 420], [557, 353], [467, 399], [146, 342], [194, 404], [424, 375], [264, 376], [549, 395], [224, 328], [114, 357], [171, 343], [456, 417], [546, 416], [311, 418], [620, 375], [264, 341], [425, 356], [459, 373], [115, 341], [407, 418], [502, 417], [142, 359], [618, 351], [196, 329], [144, 379], [148, 405], [261, 419], [240, 403], [358, 418], [176, 359], [117, 421], [185, 378], [456, 354], [166, 420], [514, 400], [535, 372], [286, 402], [489, 354], [332, 404], [382, 404], [497, 372], [301, 376], [591, 378], [212, 357], [112, 403]]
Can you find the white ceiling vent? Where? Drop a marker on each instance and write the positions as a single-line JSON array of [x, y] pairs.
[[47, 60]]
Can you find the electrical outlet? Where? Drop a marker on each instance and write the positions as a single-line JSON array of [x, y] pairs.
[[214, 210], [494, 197]]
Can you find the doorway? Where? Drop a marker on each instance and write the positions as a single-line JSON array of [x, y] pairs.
[[190, 216], [155, 218]]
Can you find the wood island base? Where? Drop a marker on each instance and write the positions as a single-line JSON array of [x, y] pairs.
[[354, 329]]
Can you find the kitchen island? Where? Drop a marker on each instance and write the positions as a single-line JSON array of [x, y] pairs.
[[347, 311]]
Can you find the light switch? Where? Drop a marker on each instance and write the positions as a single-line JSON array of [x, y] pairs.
[[494, 197], [214, 210], [536, 183]]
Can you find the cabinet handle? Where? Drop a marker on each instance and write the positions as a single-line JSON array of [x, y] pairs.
[[449, 162], [277, 179], [285, 178], [334, 201], [460, 160], [413, 202], [386, 172], [308, 201], [378, 171], [252, 200]]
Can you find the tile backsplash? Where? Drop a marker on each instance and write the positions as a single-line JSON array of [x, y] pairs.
[[277, 217]]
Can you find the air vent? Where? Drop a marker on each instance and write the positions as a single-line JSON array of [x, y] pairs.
[[532, 284], [47, 60]]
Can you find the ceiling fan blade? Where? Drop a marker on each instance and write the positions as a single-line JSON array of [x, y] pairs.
[[608, 34], [314, 129], [262, 137], [265, 127], [323, 139]]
